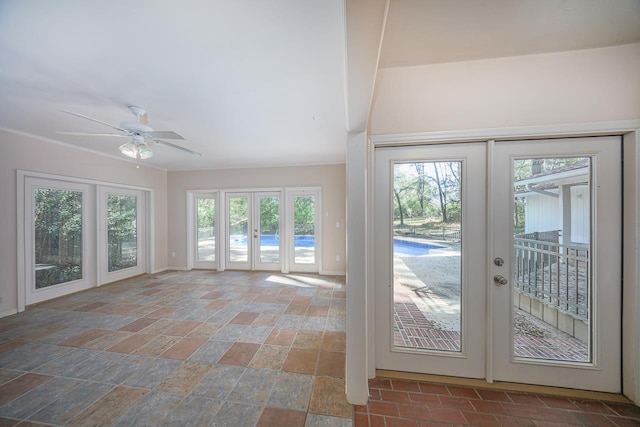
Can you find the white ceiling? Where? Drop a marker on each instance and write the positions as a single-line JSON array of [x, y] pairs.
[[250, 82], [246, 83], [420, 32]]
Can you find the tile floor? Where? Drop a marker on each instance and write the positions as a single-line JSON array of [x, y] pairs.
[[229, 349], [180, 348], [401, 403]]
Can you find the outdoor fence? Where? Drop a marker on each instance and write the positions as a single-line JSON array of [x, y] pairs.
[[556, 274], [448, 233]]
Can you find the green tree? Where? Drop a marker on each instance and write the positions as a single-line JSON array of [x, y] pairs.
[[304, 215], [57, 235], [270, 215], [122, 231]]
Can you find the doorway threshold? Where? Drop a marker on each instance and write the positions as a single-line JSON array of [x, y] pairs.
[[505, 386]]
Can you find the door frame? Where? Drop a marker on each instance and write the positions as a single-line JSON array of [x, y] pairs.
[[192, 240], [222, 232], [602, 372], [360, 290], [470, 360], [256, 216], [290, 194], [239, 265]]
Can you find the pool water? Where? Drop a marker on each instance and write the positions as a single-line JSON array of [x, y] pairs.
[[271, 240], [413, 248]]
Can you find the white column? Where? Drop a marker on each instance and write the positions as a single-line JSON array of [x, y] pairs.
[[565, 213], [631, 269], [356, 378]]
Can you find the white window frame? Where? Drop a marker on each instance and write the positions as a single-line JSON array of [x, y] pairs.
[[106, 276], [289, 260], [88, 280], [192, 232], [24, 221]]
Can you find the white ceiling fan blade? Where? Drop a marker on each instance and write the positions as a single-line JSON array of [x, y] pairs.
[[93, 134], [168, 144], [166, 134], [93, 120]]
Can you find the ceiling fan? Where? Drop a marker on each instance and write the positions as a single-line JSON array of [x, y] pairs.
[[138, 132]]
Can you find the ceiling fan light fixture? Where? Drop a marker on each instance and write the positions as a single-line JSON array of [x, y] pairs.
[[129, 149], [136, 150], [144, 151]]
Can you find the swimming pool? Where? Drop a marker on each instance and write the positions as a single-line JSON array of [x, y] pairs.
[[413, 248], [272, 240]]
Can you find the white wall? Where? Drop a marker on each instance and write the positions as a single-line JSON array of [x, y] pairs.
[[542, 213], [31, 154], [556, 88], [330, 178], [580, 215]]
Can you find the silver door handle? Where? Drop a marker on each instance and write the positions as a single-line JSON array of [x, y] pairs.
[[500, 280]]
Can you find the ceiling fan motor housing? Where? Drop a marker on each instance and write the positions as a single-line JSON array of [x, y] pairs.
[[135, 128]]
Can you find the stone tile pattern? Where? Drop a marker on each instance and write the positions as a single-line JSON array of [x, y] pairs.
[[194, 348], [420, 404]]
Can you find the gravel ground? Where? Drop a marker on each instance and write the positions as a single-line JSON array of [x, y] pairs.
[[434, 280]]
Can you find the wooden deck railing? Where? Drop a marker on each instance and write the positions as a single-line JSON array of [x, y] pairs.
[[556, 274]]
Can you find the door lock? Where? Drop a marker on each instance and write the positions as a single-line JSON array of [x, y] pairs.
[[500, 280], [498, 261]]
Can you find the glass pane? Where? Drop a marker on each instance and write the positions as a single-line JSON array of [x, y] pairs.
[[552, 259], [269, 229], [427, 224], [206, 225], [238, 229], [122, 231], [304, 230], [58, 236]]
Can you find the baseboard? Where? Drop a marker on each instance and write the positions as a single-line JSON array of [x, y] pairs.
[[159, 270], [9, 312], [332, 273], [176, 268]]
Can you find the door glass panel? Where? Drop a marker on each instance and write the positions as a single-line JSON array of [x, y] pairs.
[[552, 287], [206, 226], [238, 229], [427, 231], [304, 230], [122, 231], [58, 236], [269, 229]]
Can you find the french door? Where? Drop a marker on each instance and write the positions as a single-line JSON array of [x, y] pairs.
[[510, 272], [253, 229]]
